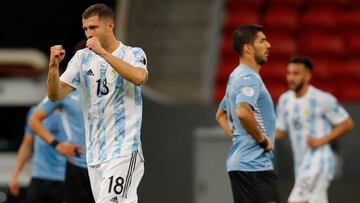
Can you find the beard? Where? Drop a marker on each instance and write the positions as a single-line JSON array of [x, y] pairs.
[[260, 60], [298, 87]]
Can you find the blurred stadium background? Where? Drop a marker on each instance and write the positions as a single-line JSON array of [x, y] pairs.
[[188, 45]]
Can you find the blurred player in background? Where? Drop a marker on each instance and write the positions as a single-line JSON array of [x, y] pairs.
[[247, 115], [77, 183], [312, 118], [48, 166], [110, 75]]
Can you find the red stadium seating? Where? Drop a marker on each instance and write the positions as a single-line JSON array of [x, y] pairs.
[[322, 44], [284, 18], [352, 42], [334, 3], [276, 89], [327, 30], [349, 91], [349, 19], [283, 45], [320, 18], [238, 4], [243, 15], [274, 71], [291, 3]]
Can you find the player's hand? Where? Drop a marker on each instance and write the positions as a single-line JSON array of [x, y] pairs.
[[270, 144], [14, 188], [94, 44], [314, 142], [69, 149], [57, 54]]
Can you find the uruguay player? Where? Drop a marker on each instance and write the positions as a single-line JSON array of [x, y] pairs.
[[307, 114], [48, 167], [109, 74], [77, 183], [247, 115]]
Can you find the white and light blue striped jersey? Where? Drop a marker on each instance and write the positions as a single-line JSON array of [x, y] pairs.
[[112, 106], [245, 85], [72, 120], [47, 163], [313, 114]]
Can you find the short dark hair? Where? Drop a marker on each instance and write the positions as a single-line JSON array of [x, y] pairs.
[[101, 10], [306, 61], [243, 35]]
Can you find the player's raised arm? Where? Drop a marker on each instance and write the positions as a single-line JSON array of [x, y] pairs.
[[55, 88]]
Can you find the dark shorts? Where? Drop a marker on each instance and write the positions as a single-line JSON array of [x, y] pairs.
[[77, 185], [254, 187], [45, 191]]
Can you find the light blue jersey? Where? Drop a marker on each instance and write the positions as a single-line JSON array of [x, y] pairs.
[[313, 114], [47, 163], [72, 120], [112, 106], [245, 85]]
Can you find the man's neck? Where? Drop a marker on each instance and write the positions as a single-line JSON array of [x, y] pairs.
[[302, 91], [250, 63], [111, 45]]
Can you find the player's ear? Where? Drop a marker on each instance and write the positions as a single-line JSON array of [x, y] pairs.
[[308, 75], [248, 48], [111, 24]]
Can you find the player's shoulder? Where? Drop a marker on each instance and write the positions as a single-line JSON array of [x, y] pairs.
[[244, 76], [325, 99], [137, 51], [83, 52], [286, 95], [285, 98], [322, 95], [134, 50], [30, 111]]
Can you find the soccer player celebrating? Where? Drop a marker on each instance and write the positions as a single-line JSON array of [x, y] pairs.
[[247, 115], [308, 115], [109, 73]]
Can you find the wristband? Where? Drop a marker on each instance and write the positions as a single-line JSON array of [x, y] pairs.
[[54, 143], [264, 143]]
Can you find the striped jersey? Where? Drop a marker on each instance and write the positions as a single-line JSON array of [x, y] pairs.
[[72, 120], [112, 106], [313, 114], [47, 163], [246, 85]]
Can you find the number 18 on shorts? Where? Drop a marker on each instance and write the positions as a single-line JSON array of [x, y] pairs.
[[116, 181]]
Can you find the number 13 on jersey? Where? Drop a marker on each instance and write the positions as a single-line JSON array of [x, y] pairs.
[[102, 88]]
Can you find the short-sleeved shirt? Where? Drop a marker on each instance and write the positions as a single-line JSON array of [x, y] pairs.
[[245, 85], [72, 120], [47, 163], [112, 105], [313, 114]]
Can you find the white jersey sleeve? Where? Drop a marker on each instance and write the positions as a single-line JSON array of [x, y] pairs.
[[281, 114], [140, 58], [333, 110], [71, 76]]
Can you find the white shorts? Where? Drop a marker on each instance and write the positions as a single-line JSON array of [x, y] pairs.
[[311, 189], [116, 181]]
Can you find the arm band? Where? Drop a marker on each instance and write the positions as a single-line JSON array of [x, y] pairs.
[[264, 143], [54, 143]]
